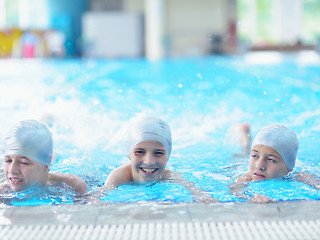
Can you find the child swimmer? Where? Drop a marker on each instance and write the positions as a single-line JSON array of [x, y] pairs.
[[273, 155], [148, 148], [27, 157]]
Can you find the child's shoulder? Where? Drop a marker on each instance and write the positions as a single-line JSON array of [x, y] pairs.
[[169, 175], [308, 178], [57, 178], [70, 180], [122, 170], [118, 176]]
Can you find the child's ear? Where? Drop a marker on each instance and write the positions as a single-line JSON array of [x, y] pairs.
[[48, 168]]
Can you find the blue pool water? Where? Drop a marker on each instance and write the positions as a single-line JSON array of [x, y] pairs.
[[89, 105]]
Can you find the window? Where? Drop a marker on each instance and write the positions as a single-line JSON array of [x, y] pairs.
[[19, 13], [276, 22]]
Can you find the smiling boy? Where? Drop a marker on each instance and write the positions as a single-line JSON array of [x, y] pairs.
[[27, 157], [148, 148]]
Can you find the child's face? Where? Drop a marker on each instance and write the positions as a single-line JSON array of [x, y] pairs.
[[22, 172], [266, 163], [149, 160]]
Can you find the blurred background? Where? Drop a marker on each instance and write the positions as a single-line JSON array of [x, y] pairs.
[[155, 29]]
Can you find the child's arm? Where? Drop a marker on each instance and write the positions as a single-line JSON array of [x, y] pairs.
[[73, 181], [309, 179], [237, 189], [198, 194], [117, 177]]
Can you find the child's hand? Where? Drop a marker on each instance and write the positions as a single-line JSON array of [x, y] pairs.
[[258, 198], [240, 133], [244, 178], [205, 198], [95, 197]]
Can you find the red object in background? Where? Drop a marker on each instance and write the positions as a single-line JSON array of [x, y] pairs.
[[232, 32], [28, 51]]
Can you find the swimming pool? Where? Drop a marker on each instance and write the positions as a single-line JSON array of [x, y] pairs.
[[89, 105]]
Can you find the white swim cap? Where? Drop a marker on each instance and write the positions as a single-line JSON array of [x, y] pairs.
[[31, 139], [150, 129], [281, 139]]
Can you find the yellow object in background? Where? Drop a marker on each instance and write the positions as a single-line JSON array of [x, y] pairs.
[[7, 39]]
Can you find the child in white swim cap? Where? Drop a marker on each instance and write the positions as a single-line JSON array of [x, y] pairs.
[[30, 139], [27, 157], [148, 148], [273, 155]]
